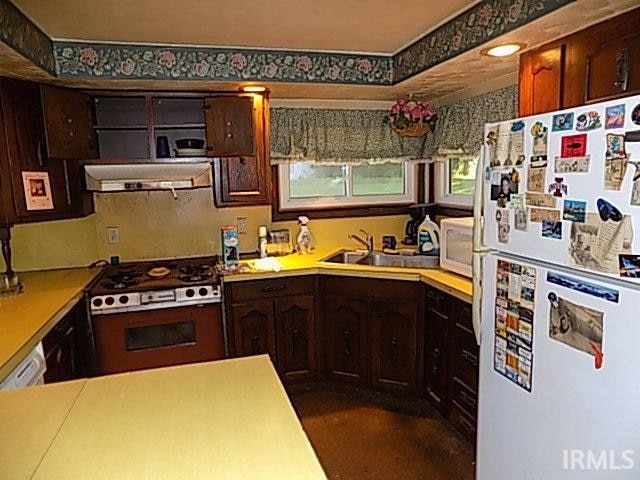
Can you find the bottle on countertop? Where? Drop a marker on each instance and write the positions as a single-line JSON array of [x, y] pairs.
[[262, 241], [428, 238], [304, 241]]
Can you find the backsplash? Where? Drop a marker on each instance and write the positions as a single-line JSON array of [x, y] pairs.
[[154, 225]]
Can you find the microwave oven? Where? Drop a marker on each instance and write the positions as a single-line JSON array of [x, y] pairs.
[[456, 245]]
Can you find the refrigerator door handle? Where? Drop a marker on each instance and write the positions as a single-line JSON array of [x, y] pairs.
[[476, 303]]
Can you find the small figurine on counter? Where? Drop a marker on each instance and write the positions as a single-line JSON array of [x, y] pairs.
[[304, 241]]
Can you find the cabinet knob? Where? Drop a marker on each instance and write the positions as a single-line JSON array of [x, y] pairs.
[[228, 124], [71, 134], [69, 120], [209, 148], [229, 135]]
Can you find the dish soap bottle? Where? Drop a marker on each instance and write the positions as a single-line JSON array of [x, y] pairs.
[[304, 240], [428, 238]]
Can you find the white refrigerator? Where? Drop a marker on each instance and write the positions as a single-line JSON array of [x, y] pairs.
[[557, 295]]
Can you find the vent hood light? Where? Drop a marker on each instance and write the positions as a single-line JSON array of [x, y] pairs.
[[502, 50], [147, 176], [254, 88]]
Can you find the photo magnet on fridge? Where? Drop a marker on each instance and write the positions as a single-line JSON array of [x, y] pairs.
[[629, 265], [635, 114], [615, 147], [584, 286], [558, 187], [588, 121], [614, 116], [575, 325], [573, 145], [540, 136], [562, 122], [551, 229], [574, 210]]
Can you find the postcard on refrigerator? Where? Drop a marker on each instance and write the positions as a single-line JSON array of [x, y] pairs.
[[540, 214], [614, 172], [574, 210], [37, 190], [573, 145], [575, 325], [572, 164], [614, 116], [540, 200], [595, 244], [584, 286], [536, 179], [635, 187]]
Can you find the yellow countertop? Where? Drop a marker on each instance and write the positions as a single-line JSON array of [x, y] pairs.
[[26, 318], [226, 419], [295, 264]]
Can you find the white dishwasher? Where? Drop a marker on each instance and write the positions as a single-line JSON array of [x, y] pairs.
[[30, 371]]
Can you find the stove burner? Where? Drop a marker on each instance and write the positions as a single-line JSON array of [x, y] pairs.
[[122, 279], [195, 273]]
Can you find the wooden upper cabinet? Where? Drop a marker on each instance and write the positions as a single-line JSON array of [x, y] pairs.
[[540, 88], [230, 126], [599, 63], [68, 123]]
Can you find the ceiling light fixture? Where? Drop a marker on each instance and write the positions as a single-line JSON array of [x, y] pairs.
[[254, 88], [503, 50]]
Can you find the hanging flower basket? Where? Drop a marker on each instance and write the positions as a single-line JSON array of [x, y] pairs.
[[410, 118]]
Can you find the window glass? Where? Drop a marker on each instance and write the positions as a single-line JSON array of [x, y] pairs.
[[309, 181], [382, 179], [462, 174]]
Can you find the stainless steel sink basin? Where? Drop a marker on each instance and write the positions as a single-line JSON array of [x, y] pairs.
[[379, 259]]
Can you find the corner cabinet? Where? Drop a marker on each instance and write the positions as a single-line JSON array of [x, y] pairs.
[[277, 317], [24, 147], [237, 133], [599, 63]]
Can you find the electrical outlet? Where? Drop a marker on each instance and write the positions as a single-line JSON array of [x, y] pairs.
[[241, 223], [113, 234]]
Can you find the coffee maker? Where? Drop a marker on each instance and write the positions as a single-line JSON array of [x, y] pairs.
[[418, 212]]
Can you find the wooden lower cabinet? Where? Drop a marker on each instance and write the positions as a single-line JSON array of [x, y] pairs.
[[253, 326], [394, 342], [295, 336], [436, 379], [345, 324]]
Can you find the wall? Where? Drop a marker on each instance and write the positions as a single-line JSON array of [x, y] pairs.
[[154, 225]]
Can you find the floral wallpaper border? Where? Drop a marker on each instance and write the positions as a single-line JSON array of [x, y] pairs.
[[23, 36], [477, 25], [195, 63]]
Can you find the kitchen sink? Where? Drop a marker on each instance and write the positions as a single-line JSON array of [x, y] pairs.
[[380, 259]]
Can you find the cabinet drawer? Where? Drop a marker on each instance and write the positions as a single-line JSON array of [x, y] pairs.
[[63, 328], [370, 288], [464, 397], [437, 301], [464, 357], [464, 423], [462, 314], [271, 288]]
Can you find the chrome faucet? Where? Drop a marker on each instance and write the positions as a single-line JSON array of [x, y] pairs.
[[367, 242]]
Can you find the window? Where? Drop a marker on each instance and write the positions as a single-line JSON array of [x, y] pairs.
[[307, 185], [455, 180]]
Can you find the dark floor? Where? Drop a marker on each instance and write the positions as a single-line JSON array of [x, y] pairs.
[[355, 438]]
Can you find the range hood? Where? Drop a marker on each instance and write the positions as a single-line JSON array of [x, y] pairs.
[[147, 176]]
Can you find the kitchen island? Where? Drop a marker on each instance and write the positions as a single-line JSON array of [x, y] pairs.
[[227, 419]]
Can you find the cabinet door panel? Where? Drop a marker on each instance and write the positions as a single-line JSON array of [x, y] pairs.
[[253, 326], [230, 128], [540, 84], [295, 336], [241, 180], [345, 321], [394, 345], [435, 365], [68, 123]]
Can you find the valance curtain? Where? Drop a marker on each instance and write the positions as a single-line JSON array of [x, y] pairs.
[[332, 136], [460, 127]]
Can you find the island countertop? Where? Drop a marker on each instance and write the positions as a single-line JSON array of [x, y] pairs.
[[226, 419], [27, 317]]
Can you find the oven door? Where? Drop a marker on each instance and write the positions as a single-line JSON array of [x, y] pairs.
[[158, 338]]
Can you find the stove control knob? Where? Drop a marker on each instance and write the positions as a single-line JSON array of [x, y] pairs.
[[190, 292], [203, 291], [109, 300], [97, 302], [123, 299]]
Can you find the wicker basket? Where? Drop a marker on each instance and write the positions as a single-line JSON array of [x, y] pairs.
[[419, 129]]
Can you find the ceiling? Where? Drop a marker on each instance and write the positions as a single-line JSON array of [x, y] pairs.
[[379, 26], [462, 76]]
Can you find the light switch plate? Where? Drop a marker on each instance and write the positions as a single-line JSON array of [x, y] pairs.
[[113, 234], [241, 222]]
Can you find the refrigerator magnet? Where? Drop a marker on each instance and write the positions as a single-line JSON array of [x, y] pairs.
[[562, 122], [572, 164], [629, 265], [615, 146], [588, 121], [635, 188], [573, 145], [614, 172], [635, 114], [539, 133], [574, 210], [37, 190], [536, 178], [558, 187], [614, 116], [576, 326], [552, 229]]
